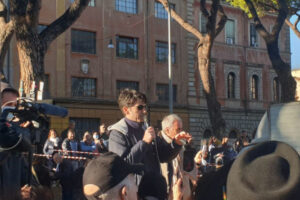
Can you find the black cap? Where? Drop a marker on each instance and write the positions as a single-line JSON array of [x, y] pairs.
[[105, 172]]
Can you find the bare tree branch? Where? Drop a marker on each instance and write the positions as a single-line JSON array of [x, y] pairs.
[[203, 8], [213, 17], [222, 21], [258, 24], [32, 12], [294, 26], [180, 21], [61, 24], [282, 15]]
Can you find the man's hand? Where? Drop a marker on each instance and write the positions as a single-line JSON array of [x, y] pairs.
[[177, 190], [182, 136], [149, 135], [26, 192]]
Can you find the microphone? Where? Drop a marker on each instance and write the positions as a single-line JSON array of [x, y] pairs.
[[146, 124], [49, 109]]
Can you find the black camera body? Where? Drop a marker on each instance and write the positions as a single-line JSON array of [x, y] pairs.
[[13, 136]]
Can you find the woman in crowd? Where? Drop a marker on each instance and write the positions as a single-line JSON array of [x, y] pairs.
[[51, 143]]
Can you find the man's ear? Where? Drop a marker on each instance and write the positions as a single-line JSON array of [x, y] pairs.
[[123, 193], [125, 110]]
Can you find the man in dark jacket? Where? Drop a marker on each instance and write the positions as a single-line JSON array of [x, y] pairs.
[[12, 165], [132, 140]]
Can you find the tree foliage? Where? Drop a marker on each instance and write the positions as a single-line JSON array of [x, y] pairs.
[[272, 6]]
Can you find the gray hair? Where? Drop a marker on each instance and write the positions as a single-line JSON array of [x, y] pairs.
[[168, 121], [114, 192]]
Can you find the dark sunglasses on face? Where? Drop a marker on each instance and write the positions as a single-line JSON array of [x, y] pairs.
[[141, 107]]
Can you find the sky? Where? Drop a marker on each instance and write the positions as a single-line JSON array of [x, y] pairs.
[[295, 48]]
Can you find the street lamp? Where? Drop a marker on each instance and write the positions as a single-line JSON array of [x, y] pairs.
[[110, 45]]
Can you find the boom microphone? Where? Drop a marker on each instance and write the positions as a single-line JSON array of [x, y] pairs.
[[49, 109]]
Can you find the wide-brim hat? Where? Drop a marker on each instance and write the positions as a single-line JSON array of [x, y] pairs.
[[266, 171]]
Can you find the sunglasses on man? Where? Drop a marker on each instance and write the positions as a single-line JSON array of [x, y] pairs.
[[141, 107]]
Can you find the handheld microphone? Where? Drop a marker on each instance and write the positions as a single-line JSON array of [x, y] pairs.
[[146, 124]]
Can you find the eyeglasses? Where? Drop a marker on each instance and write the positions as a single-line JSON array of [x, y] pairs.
[[141, 107]]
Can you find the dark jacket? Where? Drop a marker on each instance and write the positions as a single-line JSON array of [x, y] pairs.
[[66, 146], [134, 150], [212, 185]]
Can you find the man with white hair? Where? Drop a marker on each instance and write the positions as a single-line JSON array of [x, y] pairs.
[[171, 126]]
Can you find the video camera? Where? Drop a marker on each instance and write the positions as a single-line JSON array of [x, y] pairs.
[[14, 135]]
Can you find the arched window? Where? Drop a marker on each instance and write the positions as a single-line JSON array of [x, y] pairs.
[[276, 89], [254, 87], [231, 85], [207, 133], [233, 134]]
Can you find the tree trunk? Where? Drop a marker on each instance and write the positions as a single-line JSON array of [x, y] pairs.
[[31, 56], [6, 34], [283, 70], [214, 108]]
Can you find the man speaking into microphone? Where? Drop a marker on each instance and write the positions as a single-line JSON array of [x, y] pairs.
[[134, 141]]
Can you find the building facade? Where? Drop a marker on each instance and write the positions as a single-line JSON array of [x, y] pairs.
[[245, 82], [113, 45], [117, 44]]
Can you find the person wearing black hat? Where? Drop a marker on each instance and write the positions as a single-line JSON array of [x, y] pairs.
[[110, 177], [265, 171]]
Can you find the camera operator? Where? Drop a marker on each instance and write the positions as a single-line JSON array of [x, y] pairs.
[[12, 164]]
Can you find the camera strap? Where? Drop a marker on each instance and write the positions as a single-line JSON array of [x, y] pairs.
[[13, 146]]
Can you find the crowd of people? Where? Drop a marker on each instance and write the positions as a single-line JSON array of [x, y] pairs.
[[130, 160]]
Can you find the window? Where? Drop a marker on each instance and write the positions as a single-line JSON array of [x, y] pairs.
[[85, 124], [127, 84], [254, 87], [83, 87], [231, 85], [83, 41], [253, 36], [46, 91], [41, 27], [202, 24], [230, 31], [91, 3], [127, 47], [160, 11], [276, 92], [127, 6], [161, 49], [162, 92]]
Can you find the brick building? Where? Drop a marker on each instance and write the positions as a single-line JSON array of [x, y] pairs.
[[113, 45], [118, 43], [245, 82]]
